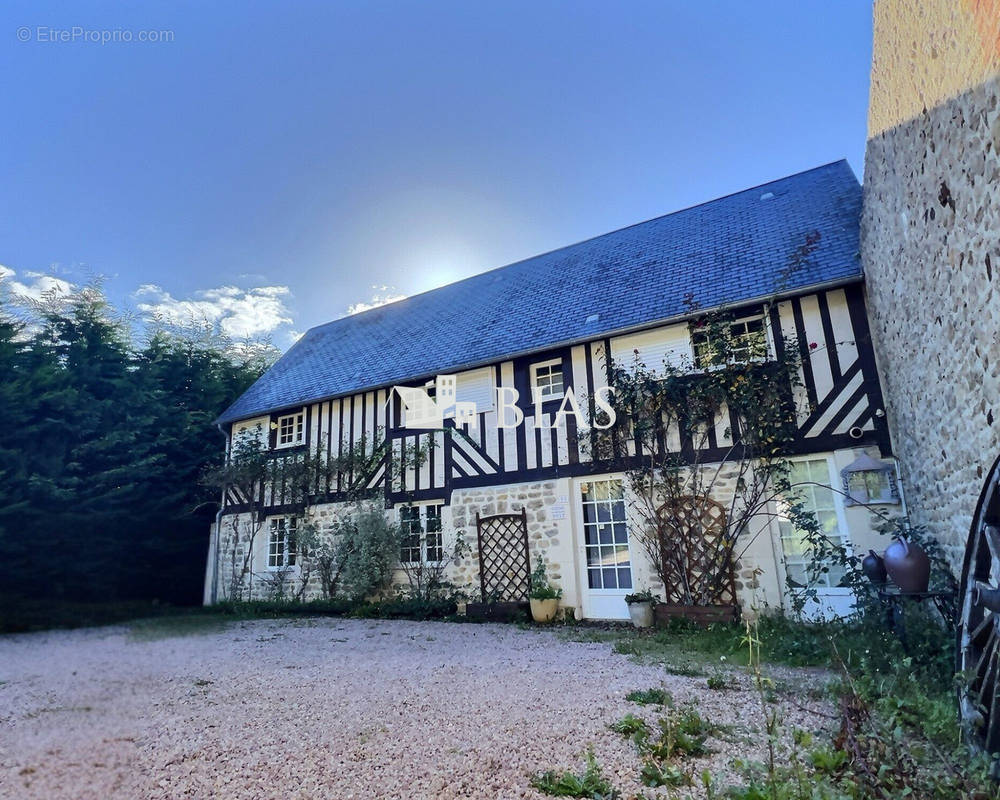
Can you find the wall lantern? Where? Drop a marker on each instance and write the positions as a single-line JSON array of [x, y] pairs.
[[868, 481]]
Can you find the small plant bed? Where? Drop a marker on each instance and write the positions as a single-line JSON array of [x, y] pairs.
[[591, 783], [651, 697], [670, 743]]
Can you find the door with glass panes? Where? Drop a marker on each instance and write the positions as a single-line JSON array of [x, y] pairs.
[[811, 479], [605, 544]]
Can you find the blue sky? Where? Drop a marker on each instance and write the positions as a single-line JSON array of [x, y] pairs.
[[276, 164]]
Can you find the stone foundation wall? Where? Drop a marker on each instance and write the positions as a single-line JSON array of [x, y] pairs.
[[931, 253]]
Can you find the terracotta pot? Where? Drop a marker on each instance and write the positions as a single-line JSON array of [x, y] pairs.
[[874, 568], [908, 566], [544, 610], [641, 614]]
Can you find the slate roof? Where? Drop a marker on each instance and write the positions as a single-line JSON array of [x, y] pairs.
[[737, 248]]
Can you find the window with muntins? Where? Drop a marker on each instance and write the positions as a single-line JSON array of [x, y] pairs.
[[605, 534], [547, 380], [821, 501], [282, 546], [747, 342], [422, 540], [291, 430]]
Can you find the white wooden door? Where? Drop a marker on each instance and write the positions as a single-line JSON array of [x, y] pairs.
[[814, 476], [606, 550]]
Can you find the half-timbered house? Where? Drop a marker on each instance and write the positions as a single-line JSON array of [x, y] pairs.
[[782, 258]]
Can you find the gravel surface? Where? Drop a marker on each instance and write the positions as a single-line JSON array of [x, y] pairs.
[[327, 709]]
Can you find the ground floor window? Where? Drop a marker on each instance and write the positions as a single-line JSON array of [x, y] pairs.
[[811, 483], [605, 534], [282, 547], [422, 540]]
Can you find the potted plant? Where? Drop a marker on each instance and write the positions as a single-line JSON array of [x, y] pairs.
[[543, 597], [640, 607]]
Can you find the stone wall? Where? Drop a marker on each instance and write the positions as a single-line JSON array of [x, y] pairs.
[[926, 52], [931, 253], [545, 539]]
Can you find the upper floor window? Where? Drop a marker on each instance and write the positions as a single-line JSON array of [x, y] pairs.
[[291, 429], [547, 380], [422, 541], [282, 544], [747, 342]]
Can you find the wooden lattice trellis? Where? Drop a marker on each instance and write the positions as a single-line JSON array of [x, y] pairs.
[[504, 568], [697, 563]]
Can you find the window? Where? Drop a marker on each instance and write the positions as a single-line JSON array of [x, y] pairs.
[[476, 386], [605, 533], [747, 342], [660, 351], [291, 429], [282, 547], [820, 500], [422, 540], [547, 380]]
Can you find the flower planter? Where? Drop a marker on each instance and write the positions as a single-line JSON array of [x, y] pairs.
[[641, 614], [544, 610], [699, 615]]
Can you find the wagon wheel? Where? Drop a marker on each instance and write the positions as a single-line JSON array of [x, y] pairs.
[[979, 624]]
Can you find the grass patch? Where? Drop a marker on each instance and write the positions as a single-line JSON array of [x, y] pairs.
[[155, 628], [591, 783], [27, 614], [651, 697]]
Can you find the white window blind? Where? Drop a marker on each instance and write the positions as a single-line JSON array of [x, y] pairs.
[[655, 348], [476, 386]]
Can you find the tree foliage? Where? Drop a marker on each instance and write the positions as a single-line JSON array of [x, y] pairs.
[[107, 430]]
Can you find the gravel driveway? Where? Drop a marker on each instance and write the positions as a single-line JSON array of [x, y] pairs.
[[326, 709]]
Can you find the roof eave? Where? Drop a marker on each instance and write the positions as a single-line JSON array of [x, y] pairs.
[[772, 297]]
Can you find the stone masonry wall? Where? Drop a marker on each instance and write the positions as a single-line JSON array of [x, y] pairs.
[[544, 535], [931, 253]]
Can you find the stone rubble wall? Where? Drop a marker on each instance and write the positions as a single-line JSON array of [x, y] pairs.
[[931, 254]]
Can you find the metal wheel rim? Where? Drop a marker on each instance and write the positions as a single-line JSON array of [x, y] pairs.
[[978, 652]]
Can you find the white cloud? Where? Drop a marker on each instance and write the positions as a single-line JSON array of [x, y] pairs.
[[37, 286], [382, 296], [238, 313]]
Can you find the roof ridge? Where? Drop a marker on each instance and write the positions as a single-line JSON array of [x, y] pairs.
[[583, 241]]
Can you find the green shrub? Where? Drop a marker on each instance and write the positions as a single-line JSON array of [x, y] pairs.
[[654, 773], [590, 784], [651, 697], [541, 589], [630, 725], [683, 734]]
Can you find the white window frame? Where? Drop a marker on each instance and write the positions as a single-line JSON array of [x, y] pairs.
[[298, 426], [535, 387], [765, 329], [591, 482], [288, 527], [486, 375], [845, 534], [424, 533]]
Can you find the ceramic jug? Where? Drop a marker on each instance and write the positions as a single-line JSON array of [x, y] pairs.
[[908, 566], [874, 568]]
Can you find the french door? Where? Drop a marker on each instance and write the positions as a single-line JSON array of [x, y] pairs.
[[608, 554]]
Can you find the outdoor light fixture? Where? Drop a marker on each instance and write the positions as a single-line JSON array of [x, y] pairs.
[[868, 481]]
